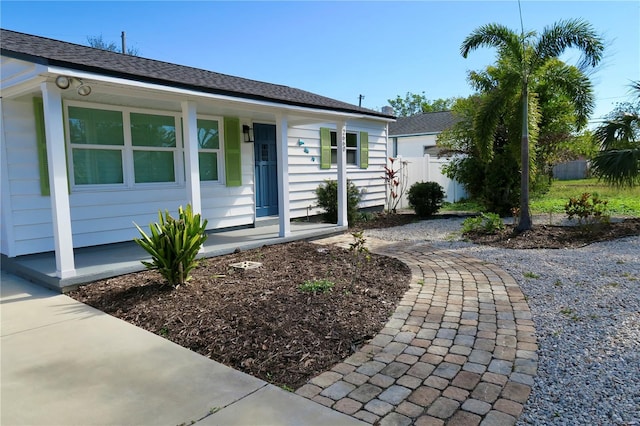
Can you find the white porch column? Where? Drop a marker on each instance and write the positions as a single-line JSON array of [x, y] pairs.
[[58, 181], [282, 148], [341, 139], [192, 172]]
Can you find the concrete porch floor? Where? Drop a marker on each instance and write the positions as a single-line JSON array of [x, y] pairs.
[[99, 262]]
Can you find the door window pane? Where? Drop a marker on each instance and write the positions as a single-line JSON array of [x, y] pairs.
[[91, 126], [153, 130], [153, 166], [208, 165], [97, 166]]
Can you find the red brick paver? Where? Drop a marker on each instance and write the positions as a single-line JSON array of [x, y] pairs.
[[459, 349]]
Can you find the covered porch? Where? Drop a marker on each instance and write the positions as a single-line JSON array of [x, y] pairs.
[[100, 262]]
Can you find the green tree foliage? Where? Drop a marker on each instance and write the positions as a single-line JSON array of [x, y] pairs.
[[414, 104], [526, 102], [98, 42], [618, 162]]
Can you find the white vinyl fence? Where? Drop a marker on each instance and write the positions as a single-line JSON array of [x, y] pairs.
[[429, 169]]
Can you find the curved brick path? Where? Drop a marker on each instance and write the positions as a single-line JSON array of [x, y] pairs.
[[460, 348]]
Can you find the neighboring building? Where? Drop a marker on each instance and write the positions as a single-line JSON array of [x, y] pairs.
[[93, 141], [414, 139], [416, 136]]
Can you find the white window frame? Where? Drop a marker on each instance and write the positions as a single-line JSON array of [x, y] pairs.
[[127, 149], [219, 151]]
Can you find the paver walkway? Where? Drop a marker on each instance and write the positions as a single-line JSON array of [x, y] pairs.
[[460, 348]]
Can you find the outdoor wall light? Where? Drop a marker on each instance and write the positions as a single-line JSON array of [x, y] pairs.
[[64, 82], [83, 89], [248, 133]]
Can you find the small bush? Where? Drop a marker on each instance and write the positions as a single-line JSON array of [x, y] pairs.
[[588, 209], [426, 198], [327, 194], [486, 223], [316, 286], [174, 244]]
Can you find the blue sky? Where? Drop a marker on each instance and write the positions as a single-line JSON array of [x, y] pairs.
[[333, 48]]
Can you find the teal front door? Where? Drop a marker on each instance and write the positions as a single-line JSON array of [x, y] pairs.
[[266, 172]]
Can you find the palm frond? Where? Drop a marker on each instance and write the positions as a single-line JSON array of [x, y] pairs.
[[619, 167], [565, 34], [622, 131], [493, 35], [574, 84]]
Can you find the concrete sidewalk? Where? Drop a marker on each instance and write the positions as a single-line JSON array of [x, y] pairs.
[[63, 363]]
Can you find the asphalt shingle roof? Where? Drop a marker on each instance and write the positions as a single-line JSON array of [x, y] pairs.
[[59, 53], [428, 122]]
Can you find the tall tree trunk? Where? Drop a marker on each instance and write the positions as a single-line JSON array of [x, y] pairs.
[[525, 223]]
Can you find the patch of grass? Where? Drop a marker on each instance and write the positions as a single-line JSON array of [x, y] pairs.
[[621, 201], [287, 388], [420, 282], [531, 275], [316, 286], [461, 206]]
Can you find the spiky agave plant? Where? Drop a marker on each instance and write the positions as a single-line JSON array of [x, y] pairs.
[[174, 244]]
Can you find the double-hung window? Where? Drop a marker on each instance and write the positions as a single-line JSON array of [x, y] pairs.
[[352, 148], [97, 146], [356, 148], [116, 146], [153, 140], [208, 149]]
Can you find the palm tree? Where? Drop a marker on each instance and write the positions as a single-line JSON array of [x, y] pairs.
[[525, 56], [619, 161]]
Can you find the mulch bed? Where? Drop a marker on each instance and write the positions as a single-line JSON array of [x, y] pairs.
[[557, 237], [257, 320]]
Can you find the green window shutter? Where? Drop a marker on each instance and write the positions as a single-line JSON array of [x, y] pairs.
[[364, 150], [41, 139], [325, 148], [232, 151]]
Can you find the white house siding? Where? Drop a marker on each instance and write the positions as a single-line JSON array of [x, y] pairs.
[[226, 206], [30, 212], [305, 174], [100, 216]]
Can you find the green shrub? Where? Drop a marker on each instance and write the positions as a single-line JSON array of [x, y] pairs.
[[588, 209], [174, 244], [486, 223], [425, 198], [327, 194]]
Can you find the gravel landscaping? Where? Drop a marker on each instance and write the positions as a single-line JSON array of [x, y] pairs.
[[586, 306]]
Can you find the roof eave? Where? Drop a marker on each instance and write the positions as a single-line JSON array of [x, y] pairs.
[[162, 82]]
